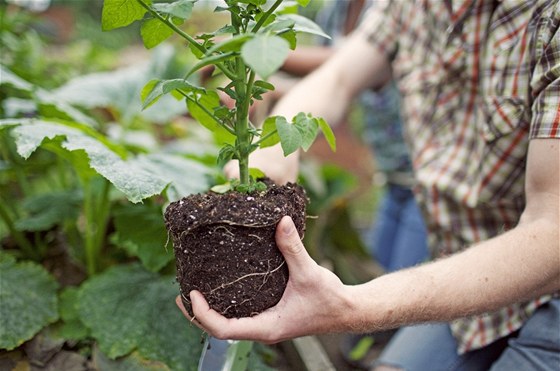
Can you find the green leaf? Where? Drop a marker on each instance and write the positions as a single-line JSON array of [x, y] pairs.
[[180, 9], [303, 3], [7, 77], [132, 362], [290, 137], [118, 90], [265, 54], [135, 182], [28, 301], [140, 230], [209, 100], [227, 152], [269, 128], [155, 88], [308, 127], [72, 327], [328, 133], [221, 188], [49, 209], [256, 173], [154, 32], [303, 24], [120, 13], [183, 175], [232, 44], [212, 59], [129, 308]]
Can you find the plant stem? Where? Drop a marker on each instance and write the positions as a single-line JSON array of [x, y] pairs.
[[266, 15], [243, 136], [220, 122], [262, 139], [183, 34], [20, 239]]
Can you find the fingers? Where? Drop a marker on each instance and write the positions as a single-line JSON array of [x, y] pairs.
[[225, 328], [290, 245], [231, 170]]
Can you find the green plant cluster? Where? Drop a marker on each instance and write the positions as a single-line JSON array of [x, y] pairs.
[[246, 51], [84, 176]]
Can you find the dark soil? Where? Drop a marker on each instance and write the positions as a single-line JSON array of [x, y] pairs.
[[225, 247]]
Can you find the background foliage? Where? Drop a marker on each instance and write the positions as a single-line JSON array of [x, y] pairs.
[[86, 273]]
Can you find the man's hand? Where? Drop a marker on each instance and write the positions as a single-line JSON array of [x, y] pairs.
[[315, 301]]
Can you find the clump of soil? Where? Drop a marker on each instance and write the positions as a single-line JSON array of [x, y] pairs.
[[225, 247]]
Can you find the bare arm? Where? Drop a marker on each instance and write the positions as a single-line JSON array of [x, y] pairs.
[[517, 265]]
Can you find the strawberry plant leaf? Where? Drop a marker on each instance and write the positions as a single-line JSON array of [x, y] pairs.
[[28, 301], [113, 305], [265, 54], [290, 136], [120, 13]]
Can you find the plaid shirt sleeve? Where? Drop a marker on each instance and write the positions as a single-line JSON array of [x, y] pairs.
[[380, 25], [545, 83]]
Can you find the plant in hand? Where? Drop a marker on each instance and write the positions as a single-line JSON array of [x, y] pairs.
[[224, 239]]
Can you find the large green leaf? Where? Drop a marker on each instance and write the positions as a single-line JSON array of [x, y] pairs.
[[135, 182], [265, 54], [129, 308], [120, 13], [184, 176], [120, 89], [141, 232], [48, 209], [28, 301]]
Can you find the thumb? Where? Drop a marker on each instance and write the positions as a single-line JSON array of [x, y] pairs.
[[289, 243]]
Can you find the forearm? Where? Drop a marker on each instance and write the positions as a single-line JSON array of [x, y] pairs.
[[518, 265], [328, 91], [302, 61]]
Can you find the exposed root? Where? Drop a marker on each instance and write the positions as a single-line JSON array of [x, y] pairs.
[[224, 285]]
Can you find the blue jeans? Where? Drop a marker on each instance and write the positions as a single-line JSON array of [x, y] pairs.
[[431, 347], [398, 237]]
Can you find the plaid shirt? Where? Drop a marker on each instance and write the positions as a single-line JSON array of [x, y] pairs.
[[480, 78]]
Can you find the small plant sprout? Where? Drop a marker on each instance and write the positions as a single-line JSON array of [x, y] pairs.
[[246, 51]]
